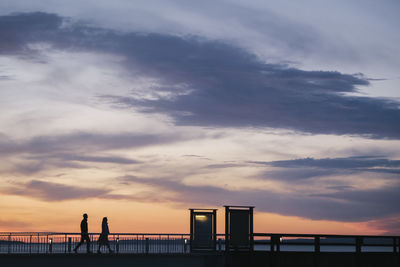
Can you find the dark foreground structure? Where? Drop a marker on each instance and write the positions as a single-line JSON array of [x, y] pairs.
[[239, 246], [235, 259]]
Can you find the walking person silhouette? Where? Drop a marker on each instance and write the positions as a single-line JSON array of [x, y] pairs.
[[103, 238], [84, 235]]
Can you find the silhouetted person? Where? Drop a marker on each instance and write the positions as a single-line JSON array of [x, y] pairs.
[[84, 235], [103, 239]]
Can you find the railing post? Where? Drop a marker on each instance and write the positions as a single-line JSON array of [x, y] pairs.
[[317, 244], [394, 246], [274, 258], [168, 244], [9, 243], [272, 243], [69, 244], [358, 245], [117, 245], [219, 244], [359, 241], [398, 253], [227, 230], [317, 250], [50, 244], [278, 243], [159, 243], [215, 229], [191, 230], [397, 244], [251, 211], [147, 245], [30, 244], [186, 245], [92, 243]]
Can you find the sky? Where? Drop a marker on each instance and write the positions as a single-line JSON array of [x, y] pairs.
[[139, 111]]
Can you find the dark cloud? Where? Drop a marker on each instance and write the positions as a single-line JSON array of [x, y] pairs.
[[382, 202], [143, 196], [196, 157], [294, 175], [77, 150], [83, 158], [5, 77], [363, 163], [306, 168], [216, 84], [223, 165], [49, 191], [19, 29], [350, 205], [13, 224], [31, 167], [391, 225], [340, 187], [33, 164], [84, 142]]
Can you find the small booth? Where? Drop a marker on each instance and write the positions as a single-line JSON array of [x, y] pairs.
[[203, 229], [239, 228]]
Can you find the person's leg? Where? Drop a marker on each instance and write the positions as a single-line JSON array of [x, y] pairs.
[[101, 243], [79, 244], [106, 243], [87, 243], [108, 246]]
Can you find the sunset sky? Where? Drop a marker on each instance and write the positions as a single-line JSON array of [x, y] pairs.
[[140, 110]]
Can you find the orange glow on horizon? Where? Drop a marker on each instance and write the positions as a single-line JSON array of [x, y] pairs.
[[129, 217]]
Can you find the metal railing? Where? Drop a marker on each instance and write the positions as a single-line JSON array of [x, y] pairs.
[[133, 243], [326, 243], [148, 243]]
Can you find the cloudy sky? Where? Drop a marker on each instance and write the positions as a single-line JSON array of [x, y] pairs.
[[140, 110]]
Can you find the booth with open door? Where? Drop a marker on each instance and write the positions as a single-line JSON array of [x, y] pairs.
[[203, 229]]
